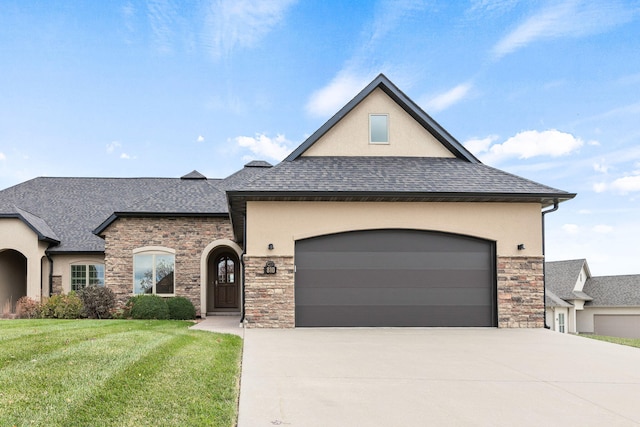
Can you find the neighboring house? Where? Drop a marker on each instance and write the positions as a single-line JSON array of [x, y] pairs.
[[380, 218], [577, 302]]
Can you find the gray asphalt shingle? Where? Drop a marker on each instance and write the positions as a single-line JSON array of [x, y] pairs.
[[561, 278], [618, 291]]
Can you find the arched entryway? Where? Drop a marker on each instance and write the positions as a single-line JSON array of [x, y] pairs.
[[13, 279], [221, 278]]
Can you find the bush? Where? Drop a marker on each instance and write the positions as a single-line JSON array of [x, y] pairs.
[[180, 308], [28, 308], [62, 307], [147, 307], [98, 302]]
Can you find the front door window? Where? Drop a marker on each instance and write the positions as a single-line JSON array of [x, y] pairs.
[[225, 286]]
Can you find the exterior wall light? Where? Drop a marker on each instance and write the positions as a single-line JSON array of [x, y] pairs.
[[270, 247], [521, 247]]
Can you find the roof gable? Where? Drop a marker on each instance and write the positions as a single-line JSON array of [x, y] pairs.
[[413, 133]]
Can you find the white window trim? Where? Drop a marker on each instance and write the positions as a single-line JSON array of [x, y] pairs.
[[86, 264], [154, 250], [388, 129]]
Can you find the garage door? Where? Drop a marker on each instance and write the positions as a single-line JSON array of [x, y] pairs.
[[395, 278], [617, 325]]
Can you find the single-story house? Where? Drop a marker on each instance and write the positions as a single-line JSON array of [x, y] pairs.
[[577, 302], [379, 218]]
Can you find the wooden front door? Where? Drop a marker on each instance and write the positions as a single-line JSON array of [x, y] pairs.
[[225, 278]]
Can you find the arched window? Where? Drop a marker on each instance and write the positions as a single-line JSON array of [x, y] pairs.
[[153, 271]]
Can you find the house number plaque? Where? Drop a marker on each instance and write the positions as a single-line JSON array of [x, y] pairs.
[[270, 268]]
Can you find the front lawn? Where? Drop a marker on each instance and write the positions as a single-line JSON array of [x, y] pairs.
[[632, 342], [116, 373]]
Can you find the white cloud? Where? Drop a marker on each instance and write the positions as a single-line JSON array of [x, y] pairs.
[[567, 19], [240, 23], [200, 138], [603, 229], [593, 143], [600, 167], [274, 148], [125, 156], [2, 156], [448, 98], [626, 184], [532, 143], [571, 228], [599, 187], [111, 147], [337, 93], [477, 146]]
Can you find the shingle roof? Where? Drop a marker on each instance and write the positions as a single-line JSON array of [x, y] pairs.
[[397, 175], [619, 291], [247, 174], [71, 208], [552, 300], [561, 278]]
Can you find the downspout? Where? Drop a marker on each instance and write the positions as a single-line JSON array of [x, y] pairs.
[[244, 251], [50, 274], [544, 262]]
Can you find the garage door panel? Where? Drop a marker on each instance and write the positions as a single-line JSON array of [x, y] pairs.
[[343, 260], [392, 316], [388, 241], [312, 278], [617, 325], [395, 278], [396, 296]]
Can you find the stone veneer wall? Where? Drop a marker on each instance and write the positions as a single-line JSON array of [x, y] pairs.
[[188, 236], [269, 298], [520, 292], [56, 285]]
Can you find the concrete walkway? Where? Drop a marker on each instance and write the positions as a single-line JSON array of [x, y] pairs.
[[441, 377], [221, 324]]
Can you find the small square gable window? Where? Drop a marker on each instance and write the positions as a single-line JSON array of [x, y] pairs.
[[378, 128]]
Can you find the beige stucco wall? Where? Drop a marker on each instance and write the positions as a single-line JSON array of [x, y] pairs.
[[16, 235], [350, 136], [62, 266], [282, 223], [585, 317]]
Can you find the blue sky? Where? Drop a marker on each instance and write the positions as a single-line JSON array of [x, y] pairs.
[[548, 90]]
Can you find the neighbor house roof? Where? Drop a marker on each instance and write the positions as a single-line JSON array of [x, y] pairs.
[[561, 278], [552, 300], [618, 291], [383, 83], [387, 179]]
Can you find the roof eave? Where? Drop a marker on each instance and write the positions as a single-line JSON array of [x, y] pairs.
[[98, 230], [41, 236]]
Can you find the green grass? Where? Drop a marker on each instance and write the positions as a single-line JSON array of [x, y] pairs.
[[116, 373], [632, 342]]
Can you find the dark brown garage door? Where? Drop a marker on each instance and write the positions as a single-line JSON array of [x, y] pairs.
[[395, 278]]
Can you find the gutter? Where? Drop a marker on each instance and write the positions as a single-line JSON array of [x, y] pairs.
[[544, 262]]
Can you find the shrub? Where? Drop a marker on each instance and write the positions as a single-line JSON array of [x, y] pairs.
[[148, 307], [28, 308], [98, 302], [181, 308], [62, 306]]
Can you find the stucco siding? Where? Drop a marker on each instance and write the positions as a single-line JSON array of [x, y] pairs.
[[350, 136], [16, 235], [282, 223]]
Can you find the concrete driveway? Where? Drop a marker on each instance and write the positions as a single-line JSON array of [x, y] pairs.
[[416, 377]]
